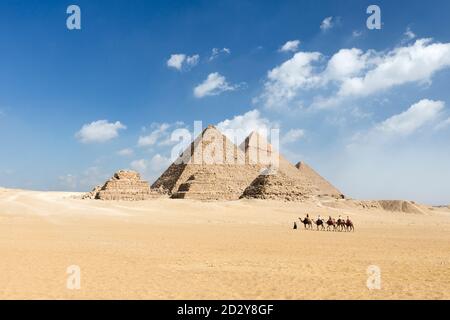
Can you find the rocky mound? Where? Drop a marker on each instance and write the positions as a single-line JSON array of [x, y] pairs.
[[400, 206], [124, 185], [387, 205]]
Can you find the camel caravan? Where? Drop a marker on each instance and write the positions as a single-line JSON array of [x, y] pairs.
[[331, 224]]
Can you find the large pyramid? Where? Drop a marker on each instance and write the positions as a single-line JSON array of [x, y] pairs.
[[124, 185], [325, 188], [211, 168], [214, 168]]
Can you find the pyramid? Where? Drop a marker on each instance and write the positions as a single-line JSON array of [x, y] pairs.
[[124, 185], [214, 168], [325, 188], [278, 178], [211, 168]]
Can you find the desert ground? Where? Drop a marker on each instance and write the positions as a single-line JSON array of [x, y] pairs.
[[185, 249]]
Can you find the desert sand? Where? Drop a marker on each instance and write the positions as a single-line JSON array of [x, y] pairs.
[[187, 249]]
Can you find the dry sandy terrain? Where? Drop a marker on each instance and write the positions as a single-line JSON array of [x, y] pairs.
[[181, 249]]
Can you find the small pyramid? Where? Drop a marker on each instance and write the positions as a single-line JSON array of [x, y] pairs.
[[278, 186], [124, 185], [325, 188]]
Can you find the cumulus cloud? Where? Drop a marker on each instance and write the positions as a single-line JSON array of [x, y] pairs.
[[290, 46], [181, 61], [214, 85], [240, 126], [418, 115], [99, 131], [293, 135], [353, 73], [415, 63], [327, 24], [344, 64], [284, 81]]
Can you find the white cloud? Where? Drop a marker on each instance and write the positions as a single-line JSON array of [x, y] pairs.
[[214, 84], [159, 163], [99, 131], [160, 134], [418, 115], [154, 136], [240, 126], [290, 46], [152, 168], [286, 80], [216, 52], [139, 165], [415, 63], [353, 73], [327, 23], [193, 60], [345, 63], [293, 135], [125, 152], [181, 61]]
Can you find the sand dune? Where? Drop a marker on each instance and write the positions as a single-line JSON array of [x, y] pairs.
[[185, 249]]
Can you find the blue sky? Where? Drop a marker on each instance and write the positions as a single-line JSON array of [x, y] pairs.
[[368, 109]]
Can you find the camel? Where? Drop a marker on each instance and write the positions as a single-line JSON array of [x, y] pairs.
[[340, 224], [319, 223], [349, 225], [331, 223], [307, 223]]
